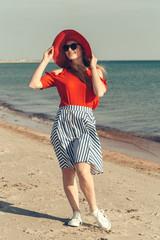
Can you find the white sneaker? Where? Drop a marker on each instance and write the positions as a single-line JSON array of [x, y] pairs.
[[101, 219], [76, 220]]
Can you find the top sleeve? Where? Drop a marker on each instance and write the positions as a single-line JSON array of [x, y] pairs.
[[105, 82], [48, 80], [89, 73]]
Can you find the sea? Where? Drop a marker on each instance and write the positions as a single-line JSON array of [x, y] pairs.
[[131, 104]]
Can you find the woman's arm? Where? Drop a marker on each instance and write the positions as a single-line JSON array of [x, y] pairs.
[[35, 82], [98, 86]]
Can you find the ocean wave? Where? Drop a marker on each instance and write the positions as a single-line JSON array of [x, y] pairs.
[[38, 117], [104, 131]]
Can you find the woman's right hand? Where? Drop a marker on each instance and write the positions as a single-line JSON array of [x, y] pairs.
[[48, 55], [35, 82]]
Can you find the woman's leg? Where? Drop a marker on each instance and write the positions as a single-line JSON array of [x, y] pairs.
[[86, 183], [70, 188]]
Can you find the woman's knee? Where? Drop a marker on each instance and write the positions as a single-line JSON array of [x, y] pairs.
[[82, 170], [68, 174]]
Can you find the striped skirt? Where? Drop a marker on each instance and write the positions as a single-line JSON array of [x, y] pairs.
[[75, 139]]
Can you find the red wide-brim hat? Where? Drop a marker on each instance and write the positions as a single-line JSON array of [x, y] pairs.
[[61, 39]]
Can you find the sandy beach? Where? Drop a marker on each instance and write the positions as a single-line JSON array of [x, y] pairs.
[[33, 204]]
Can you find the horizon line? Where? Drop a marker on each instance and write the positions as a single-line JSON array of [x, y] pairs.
[[38, 60]]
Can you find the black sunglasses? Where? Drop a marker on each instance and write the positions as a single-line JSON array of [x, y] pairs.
[[73, 46]]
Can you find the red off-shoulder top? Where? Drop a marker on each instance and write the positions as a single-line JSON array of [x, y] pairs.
[[71, 89]]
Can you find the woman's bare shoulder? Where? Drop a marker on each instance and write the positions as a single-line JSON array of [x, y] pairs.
[[57, 71]]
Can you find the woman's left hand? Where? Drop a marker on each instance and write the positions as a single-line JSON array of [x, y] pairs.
[[93, 61]]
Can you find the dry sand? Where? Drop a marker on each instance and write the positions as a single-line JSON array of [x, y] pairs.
[[33, 205]]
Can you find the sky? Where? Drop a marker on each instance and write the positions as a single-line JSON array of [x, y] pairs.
[[115, 29]]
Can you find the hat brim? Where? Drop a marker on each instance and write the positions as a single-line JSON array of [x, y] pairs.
[[59, 56]]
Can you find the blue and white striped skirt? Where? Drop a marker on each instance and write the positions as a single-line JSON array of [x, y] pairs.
[[75, 139]]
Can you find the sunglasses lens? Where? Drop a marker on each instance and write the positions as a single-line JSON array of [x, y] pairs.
[[66, 47], [74, 46]]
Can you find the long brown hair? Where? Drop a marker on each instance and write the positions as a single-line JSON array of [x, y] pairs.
[[80, 71]]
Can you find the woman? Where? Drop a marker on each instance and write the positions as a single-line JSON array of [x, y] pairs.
[[79, 83]]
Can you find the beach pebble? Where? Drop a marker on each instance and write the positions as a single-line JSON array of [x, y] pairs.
[[129, 199], [131, 210]]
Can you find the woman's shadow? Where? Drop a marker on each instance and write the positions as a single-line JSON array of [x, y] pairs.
[[9, 208]]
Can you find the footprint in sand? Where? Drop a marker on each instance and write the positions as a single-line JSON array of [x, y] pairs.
[[3, 150]]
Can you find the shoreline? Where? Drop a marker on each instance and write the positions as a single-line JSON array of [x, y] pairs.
[[116, 154], [111, 139]]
